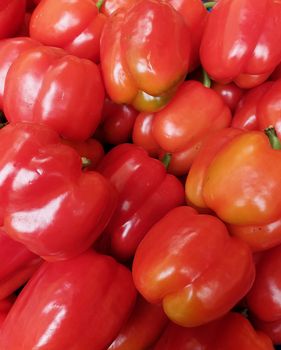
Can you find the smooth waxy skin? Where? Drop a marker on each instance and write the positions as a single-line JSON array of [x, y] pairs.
[[17, 265], [47, 202], [220, 268], [41, 81], [73, 308], [75, 26], [250, 170], [231, 332], [137, 64], [146, 194], [143, 327], [247, 33]]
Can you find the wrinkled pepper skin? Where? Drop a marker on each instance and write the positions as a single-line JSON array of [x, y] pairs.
[[146, 194], [11, 17], [48, 74], [231, 332], [17, 265], [245, 30], [73, 308], [47, 202], [263, 300], [10, 49], [137, 64], [220, 268], [74, 26], [143, 327], [117, 123], [185, 122]]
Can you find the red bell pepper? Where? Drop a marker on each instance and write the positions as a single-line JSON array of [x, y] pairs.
[[10, 49], [136, 60], [142, 329], [241, 41], [41, 80], [230, 93], [18, 264], [146, 193], [76, 304], [245, 116], [190, 263], [11, 17], [46, 201], [91, 151], [231, 332], [117, 123], [75, 26]]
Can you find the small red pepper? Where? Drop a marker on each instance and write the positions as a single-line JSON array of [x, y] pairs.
[[75, 304], [145, 52], [74, 26], [146, 194], [143, 327], [41, 80], [231, 332], [46, 201], [190, 263], [230, 93]]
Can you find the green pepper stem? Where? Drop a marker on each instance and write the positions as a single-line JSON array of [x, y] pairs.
[[273, 138], [86, 162], [166, 160], [206, 79], [99, 4], [210, 4]]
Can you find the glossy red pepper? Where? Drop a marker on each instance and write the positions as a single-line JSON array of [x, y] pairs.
[[10, 49], [136, 46], [142, 329], [146, 194], [248, 36], [117, 123], [190, 263], [245, 116], [11, 17], [91, 151], [69, 305], [75, 26], [5, 306], [18, 264], [46, 201], [231, 332], [230, 93], [48, 75]]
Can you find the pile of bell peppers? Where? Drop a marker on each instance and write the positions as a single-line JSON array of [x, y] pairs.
[[140, 175]]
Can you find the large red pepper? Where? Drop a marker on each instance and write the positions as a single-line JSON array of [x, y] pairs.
[[75, 26], [145, 53], [11, 17], [263, 300], [142, 329], [46, 201], [241, 41], [10, 49], [57, 89], [76, 304], [191, 264], [146, 193], [18, 264], [231, 332], [246, 164]]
